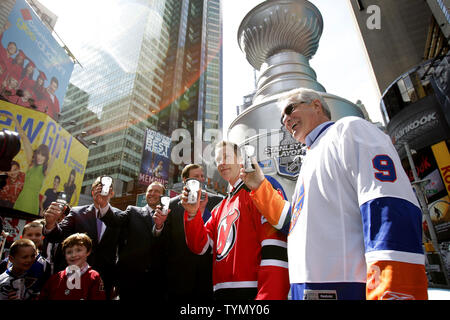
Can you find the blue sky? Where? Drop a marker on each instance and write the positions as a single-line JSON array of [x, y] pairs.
[[340, 62]]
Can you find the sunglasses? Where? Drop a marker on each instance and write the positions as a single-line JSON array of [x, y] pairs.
[[288, 110]]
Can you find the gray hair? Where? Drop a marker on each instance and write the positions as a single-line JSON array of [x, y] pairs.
[[303, 95]]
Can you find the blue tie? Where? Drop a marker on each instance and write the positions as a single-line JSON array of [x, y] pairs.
[[206, 215], [99, 228]]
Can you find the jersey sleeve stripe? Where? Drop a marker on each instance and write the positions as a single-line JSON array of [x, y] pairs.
[[393, 224], [271, 204], [274, 242], [207, 245], [274, 252], [284, 220], [235, 284], [390, 255], [274, 263]]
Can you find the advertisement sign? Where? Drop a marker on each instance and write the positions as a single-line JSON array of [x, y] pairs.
[[420, 126], [141, 201], [34, 69], [50, 161], [155, 158], [47, 17], [442, 156], [440, 209], [440, 216], [13, 227]]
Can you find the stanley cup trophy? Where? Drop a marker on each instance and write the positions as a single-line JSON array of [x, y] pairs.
[[279, 37]]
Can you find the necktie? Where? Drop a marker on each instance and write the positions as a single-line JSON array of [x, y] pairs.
[[206, 215], [99, 229]]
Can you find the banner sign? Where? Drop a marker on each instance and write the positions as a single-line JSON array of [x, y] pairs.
[[34, 69], [50, 161], [442, 157], [155, 158]]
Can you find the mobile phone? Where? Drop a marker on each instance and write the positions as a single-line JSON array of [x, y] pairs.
[[62, 202], [106, 184]]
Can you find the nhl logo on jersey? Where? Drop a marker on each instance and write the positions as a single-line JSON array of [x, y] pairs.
[[226, 234]]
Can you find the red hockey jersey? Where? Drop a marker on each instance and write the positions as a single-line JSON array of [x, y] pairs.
[[90, 288], [249, 255]]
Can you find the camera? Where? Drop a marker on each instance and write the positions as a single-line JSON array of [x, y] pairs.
[[62, 202]]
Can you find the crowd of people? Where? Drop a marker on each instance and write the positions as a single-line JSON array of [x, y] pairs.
[[22, 83], [352, 229]]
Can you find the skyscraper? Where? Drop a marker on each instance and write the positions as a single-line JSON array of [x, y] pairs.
[[397, 35], [158, 66], [192, 90]]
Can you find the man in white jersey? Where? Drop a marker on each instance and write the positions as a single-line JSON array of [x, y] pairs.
[[354, 223]]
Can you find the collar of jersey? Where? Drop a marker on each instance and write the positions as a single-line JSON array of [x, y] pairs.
[[316, 132], [238, 185]]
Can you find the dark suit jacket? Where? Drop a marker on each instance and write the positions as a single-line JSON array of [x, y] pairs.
[[139, 252], [103, 256], [188, 276], [56, 258]]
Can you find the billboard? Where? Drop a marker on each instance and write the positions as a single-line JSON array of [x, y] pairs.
[[155, 158], [50, 161], [34, 69]]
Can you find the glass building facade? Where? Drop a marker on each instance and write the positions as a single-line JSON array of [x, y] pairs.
[[192, 89], [162, 66]]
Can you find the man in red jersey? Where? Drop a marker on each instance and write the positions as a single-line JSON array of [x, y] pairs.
[[249, 255]]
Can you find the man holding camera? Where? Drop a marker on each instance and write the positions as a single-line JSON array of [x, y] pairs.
[[88, 219], [139, 267], [249, 255], [189, 276]]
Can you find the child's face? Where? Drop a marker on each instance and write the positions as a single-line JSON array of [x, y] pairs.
[[34, 234], [13, 83], [23, 259], [76, 255]]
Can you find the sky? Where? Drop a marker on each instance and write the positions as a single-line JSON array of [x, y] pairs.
[[340, 62]]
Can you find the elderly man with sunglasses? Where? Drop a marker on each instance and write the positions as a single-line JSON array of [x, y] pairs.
[[354, 223], [89, 219]]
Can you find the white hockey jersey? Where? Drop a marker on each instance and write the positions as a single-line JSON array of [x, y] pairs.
[[353, 218]]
